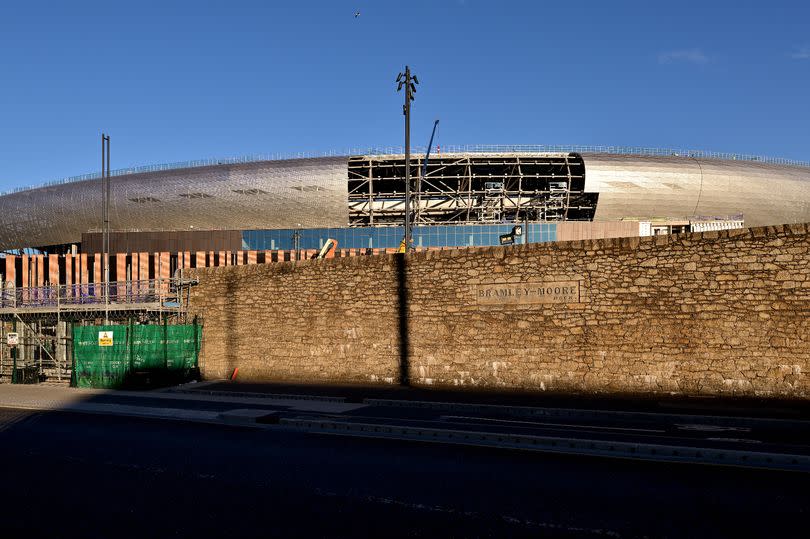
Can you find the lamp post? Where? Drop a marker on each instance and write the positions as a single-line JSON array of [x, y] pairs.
[[297, 241], [409, 81], [105, 231]]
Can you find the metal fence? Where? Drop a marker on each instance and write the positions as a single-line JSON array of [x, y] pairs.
[[152, 291], [395, 150]]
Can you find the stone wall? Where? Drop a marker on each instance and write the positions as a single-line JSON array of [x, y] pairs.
[[704, 313]]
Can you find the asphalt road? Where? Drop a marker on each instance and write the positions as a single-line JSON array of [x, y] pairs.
[[72, 475]]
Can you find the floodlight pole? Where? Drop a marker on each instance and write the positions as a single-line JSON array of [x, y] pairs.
[[407, 113], [410, 82], [105, 231]]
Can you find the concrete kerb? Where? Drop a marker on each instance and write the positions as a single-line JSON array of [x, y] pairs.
[[529, 411], [253, 395], [547, 444]]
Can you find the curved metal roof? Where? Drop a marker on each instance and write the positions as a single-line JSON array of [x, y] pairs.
[[654, 187], [293, 193], [312, 193]]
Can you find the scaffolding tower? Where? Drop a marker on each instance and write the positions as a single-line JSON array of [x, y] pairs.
[[43, 318]]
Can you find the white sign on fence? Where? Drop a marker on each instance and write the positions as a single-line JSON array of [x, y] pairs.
[[12, 339], [105, 338]]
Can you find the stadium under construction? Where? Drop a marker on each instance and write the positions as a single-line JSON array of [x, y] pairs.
[[256, 210]]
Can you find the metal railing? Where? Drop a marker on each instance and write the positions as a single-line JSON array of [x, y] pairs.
[[88, 295]]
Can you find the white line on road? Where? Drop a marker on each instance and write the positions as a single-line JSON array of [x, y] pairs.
[[735, 440], [710, 428], [549, 424]]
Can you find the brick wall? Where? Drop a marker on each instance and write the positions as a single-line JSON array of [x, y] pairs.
[[704, 313]]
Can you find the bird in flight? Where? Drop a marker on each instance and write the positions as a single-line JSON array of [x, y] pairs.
[[356, 14]]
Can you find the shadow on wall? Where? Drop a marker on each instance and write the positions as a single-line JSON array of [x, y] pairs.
[[401, 262], [230, 343]]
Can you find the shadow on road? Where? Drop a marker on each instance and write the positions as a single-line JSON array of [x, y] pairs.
[[72, 475]]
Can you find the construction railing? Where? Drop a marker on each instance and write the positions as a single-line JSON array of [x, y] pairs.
[[158, 291]]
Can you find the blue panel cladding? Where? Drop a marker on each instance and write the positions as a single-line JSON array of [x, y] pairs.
[[390, 237]]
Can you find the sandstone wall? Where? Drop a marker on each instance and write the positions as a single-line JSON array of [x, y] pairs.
[[705, 313]]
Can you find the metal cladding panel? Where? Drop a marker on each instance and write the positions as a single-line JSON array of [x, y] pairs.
[[655, 187], [305, 193]]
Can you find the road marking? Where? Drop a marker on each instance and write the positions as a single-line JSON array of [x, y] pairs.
[[472, 514], [549, 424], [735, 440], [710, 428]]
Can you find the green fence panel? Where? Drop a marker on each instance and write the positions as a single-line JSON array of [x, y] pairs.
[[182, 344], [135, 349], [100, 366], [147, 348]]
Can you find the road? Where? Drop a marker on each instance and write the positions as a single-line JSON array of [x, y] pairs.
[[67, 474]]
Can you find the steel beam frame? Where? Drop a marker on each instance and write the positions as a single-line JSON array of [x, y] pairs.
[[470, 188]]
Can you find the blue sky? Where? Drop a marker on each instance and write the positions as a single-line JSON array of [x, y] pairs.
[[172, 81]]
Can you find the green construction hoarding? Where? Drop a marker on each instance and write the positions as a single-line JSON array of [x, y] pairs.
[[113, 356]]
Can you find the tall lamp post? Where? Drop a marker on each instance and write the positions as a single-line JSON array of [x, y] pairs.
[[105, 231], [409, 81]]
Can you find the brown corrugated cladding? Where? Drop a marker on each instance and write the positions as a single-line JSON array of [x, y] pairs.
[[120, 267], [585, 230], [25, 271], [53, 269], [82, 268], [170, 241], [143, 266], [69, 269]]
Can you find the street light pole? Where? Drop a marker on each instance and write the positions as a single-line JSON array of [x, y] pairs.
[[105, 232], [409, 81]]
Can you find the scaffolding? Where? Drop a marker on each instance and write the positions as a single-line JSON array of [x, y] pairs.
[[43, 317], [470, 188]]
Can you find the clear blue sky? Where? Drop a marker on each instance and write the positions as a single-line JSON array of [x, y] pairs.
[[172, 80]]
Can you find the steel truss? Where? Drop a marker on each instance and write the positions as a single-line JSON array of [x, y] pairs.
[[470, 188]]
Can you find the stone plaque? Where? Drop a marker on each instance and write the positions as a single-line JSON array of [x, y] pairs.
[[527, 293]]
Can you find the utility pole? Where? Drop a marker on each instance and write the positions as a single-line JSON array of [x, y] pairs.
[[14, 377], [297, 241], [409, 82], [105, 231]]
